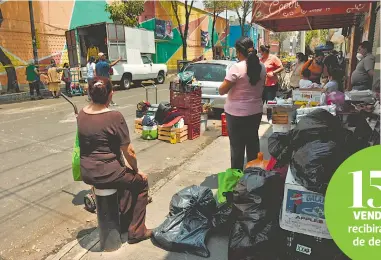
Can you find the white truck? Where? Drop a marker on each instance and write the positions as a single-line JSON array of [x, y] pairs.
[[134, 46]]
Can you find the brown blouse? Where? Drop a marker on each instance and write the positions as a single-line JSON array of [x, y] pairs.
[[100, 138]]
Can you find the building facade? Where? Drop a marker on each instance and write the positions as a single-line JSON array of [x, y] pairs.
[[54, 18]]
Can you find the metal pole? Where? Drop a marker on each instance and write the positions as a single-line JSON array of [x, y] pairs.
[[226, 32], [33, 31]]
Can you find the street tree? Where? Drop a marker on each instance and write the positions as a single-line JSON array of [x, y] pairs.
[[216, 8], [280, 37], [183, 32], [13, 85], [315, 38], [243, 9], [125, 12]]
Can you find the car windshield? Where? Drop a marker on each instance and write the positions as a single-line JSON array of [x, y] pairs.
[[208, 71]]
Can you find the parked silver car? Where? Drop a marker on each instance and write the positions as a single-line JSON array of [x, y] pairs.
[[210, 74]]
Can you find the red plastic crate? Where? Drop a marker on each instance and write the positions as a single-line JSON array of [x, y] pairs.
[[185, 100], [194, 131], [191, 115]]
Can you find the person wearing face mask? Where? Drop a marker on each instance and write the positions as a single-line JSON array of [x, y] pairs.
[[295, 77], [362, 76], [274, 67], [315, 66]]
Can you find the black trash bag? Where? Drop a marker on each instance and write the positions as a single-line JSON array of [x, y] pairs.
[[279, 146], [162, 112], [257, 201], [318, 125], [191, 216], [319, 147], [314, 164]]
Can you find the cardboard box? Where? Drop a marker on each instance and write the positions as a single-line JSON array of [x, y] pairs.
[[303, 210], [310, 95]]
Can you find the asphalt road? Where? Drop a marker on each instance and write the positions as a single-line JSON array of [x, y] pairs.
[[41, 207]]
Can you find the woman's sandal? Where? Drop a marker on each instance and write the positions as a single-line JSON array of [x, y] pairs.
[[147, 235]]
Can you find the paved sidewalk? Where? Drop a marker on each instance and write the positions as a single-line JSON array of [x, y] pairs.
[[202, 169]]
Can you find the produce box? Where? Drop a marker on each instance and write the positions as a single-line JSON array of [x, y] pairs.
[[138, 126], [173, 135], [310, 95], [303, 210]]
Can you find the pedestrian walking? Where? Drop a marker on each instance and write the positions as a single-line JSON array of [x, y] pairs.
[[244, 84], [90, 73], [102, 68], [33, 78], [66, 77], [54, 79]]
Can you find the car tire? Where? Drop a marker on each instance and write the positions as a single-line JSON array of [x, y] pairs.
[[160, 78], [126, 82]]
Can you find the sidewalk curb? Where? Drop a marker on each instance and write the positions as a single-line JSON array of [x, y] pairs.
[[92, 238]]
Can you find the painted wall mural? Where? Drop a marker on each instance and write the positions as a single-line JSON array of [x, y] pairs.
[[53, 18]]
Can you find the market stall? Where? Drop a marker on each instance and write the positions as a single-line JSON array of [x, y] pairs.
[[176, 121]]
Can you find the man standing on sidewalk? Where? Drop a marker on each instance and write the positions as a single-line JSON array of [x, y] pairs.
[[102, 68], [33, 78]]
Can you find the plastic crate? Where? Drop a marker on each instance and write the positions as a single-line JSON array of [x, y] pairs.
[[185, 100], [194, 131], [191, 115]]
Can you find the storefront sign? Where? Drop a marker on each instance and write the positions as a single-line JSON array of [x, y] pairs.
[[272, 10], [163, 30]]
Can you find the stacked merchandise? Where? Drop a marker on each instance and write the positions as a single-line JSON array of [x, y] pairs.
[[138, 126], [171, 124], [185, 96], [177, 133]]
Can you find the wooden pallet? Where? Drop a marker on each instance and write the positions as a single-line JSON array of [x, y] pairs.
[[138, 126], [173, 135]]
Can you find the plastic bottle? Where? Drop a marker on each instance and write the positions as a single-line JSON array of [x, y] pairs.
[[259, 162]]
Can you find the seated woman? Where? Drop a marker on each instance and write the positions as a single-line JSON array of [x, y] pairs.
[[105, 144]]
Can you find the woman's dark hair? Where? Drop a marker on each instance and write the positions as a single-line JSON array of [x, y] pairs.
[[99, 90], [301, 56], [245, 46], [65, 64], [366, 45], [92, 59], [265, 48], [319, 54]]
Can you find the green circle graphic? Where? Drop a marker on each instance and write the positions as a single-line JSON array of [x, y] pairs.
[[353, 205]]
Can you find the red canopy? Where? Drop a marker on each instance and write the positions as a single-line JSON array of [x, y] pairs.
[[296, 15]]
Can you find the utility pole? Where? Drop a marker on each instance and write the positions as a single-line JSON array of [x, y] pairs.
[[33, 31]]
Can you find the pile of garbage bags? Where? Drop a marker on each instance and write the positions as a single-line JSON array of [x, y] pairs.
[[256, 204], [193, 213], [316, 147], [251, 216]]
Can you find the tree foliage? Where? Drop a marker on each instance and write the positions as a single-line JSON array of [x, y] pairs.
[[216, 8], [316, 37], [125, 12], [243, 9], [183, 33]]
